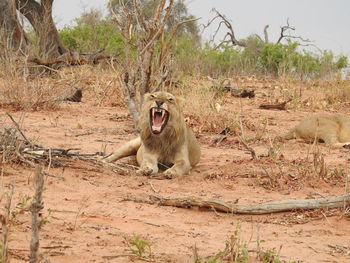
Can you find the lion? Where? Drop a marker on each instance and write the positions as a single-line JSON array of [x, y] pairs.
[[332, 129], [165, 140]]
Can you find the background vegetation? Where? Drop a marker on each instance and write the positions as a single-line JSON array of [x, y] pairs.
[[92, 31]]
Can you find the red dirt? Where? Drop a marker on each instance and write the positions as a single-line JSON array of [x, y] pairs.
[[89, 219]]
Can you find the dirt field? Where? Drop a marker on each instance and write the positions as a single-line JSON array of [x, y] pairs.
[[89, 221]]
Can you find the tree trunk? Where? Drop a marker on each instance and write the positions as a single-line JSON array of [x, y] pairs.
[[11, 33], [40, 17]]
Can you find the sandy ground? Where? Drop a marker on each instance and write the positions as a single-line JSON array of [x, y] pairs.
[[88, 221]]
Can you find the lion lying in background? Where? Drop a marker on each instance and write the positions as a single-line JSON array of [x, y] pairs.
[[164, 139], [332, 129]]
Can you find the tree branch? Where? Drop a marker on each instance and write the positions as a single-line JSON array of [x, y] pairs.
[[224, 21]]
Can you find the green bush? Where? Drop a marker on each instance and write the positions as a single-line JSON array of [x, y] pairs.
[[91, 33], [277, 58], [220, 62]]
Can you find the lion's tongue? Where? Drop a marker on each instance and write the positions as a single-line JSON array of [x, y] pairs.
[[157, 122]]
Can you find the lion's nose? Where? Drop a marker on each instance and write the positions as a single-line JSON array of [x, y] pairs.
[[159, 103]]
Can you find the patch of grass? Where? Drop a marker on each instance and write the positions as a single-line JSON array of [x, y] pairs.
[[201, 107], [139, 247], [235, 251]]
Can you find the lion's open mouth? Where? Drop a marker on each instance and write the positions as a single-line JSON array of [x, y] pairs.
[[159, 119]]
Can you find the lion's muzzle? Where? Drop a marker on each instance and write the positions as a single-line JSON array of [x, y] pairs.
[[159, 118]]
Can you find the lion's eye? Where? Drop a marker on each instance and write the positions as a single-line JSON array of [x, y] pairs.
[[171, 100], [152, 96]]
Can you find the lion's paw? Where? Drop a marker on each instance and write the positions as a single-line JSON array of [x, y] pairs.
[[145, 171], [169, 174]]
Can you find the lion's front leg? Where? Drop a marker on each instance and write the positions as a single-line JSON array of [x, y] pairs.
[[148, 162], [181, 164]]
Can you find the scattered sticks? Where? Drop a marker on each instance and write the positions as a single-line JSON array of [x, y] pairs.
[[21, 150]]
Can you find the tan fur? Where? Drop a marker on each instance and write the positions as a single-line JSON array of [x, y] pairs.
[[176, 144], [333, 129]]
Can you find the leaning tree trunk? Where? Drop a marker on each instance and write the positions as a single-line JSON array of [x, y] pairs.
[[40, 17], [11, 32]]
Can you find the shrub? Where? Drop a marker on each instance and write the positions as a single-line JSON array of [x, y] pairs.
[[91, 33]]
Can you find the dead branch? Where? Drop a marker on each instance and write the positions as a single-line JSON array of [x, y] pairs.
[[232, 207], [279, 106], [287, 28], [230, 34], [72, 59], [35, 208], [18, 128]]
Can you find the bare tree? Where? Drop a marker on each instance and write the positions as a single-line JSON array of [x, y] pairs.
[[149, 69], [230, 37], [39, 14]]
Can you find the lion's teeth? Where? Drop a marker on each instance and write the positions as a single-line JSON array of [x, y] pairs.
[[163, 113]]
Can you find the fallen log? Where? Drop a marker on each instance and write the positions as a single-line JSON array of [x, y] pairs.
[[231, 207]]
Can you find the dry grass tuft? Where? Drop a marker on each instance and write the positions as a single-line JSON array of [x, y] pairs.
[[23, 88], [203, 107]]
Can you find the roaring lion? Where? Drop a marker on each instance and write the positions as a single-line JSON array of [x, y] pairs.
[[332, 129], [164, 138]]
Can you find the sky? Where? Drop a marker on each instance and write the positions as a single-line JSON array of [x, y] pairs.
[[326, 22]]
